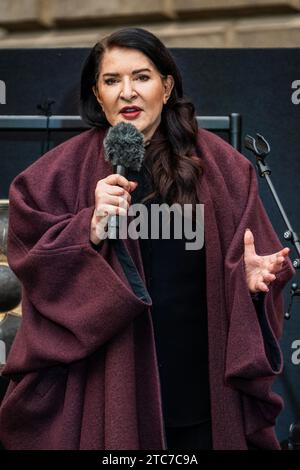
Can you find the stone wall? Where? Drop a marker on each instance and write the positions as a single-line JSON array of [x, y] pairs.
[[179, 23]]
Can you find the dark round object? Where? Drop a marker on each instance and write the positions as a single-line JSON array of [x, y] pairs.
[[10, 289]]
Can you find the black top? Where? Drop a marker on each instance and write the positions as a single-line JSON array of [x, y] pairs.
[[176, 283]]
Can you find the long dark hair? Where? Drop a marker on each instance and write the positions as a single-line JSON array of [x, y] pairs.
[[172, 155]]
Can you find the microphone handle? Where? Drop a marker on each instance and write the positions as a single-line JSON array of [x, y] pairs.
[[113, 220]]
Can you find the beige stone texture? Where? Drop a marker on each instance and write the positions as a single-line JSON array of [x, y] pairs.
[[268, 32], [214, 5], [60, 12], [179, 23], [20, 13], [283, 31]]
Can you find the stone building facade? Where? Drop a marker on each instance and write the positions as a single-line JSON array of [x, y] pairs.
[[179, 23]]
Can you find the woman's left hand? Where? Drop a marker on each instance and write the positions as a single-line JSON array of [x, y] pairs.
[[261, 270]]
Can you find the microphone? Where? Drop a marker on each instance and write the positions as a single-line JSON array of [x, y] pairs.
[[124, 148]]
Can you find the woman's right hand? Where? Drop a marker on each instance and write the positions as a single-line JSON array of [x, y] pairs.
[[112, 197]]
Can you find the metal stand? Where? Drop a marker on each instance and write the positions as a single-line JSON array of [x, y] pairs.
[[46, 109], [261, 149]]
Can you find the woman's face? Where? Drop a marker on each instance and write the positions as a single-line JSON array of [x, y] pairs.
[[130, 89]]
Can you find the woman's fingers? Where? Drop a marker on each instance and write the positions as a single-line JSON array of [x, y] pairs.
[[112, 205], [249, 248], [266, 269], [276, 265], [112, 197], [268, 277], [106, 209], [274, 262], [262, 287], [263, 280], [133, 185], [260, 284], [114, 190], [104, 190], [122, 201], [118, 180], [280, 256]]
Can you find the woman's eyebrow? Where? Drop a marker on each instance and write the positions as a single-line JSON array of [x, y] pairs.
[[111, 74]]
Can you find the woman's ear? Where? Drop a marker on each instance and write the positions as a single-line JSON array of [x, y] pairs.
[[169, 84], [95, 91]]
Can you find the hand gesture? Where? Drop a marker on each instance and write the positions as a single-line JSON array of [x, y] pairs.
[[261, 270]]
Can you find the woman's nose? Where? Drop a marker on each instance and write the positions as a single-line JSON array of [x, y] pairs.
[[128, 91]]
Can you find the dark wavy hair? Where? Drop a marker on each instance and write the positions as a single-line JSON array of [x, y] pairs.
[[172, 155]]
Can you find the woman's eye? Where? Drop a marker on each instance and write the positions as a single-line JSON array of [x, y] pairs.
[[143, 78], [110, 81], [113, 81]]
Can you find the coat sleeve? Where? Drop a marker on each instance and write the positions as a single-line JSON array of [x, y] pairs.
[[254, 357], [75, 298]]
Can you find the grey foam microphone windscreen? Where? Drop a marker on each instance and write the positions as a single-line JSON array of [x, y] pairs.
[[124, 148], [124, 145]]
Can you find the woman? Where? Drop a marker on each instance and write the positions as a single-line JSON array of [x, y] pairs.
[[98, 363]]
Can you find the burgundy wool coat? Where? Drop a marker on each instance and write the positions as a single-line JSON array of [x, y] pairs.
[[83, 369]]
